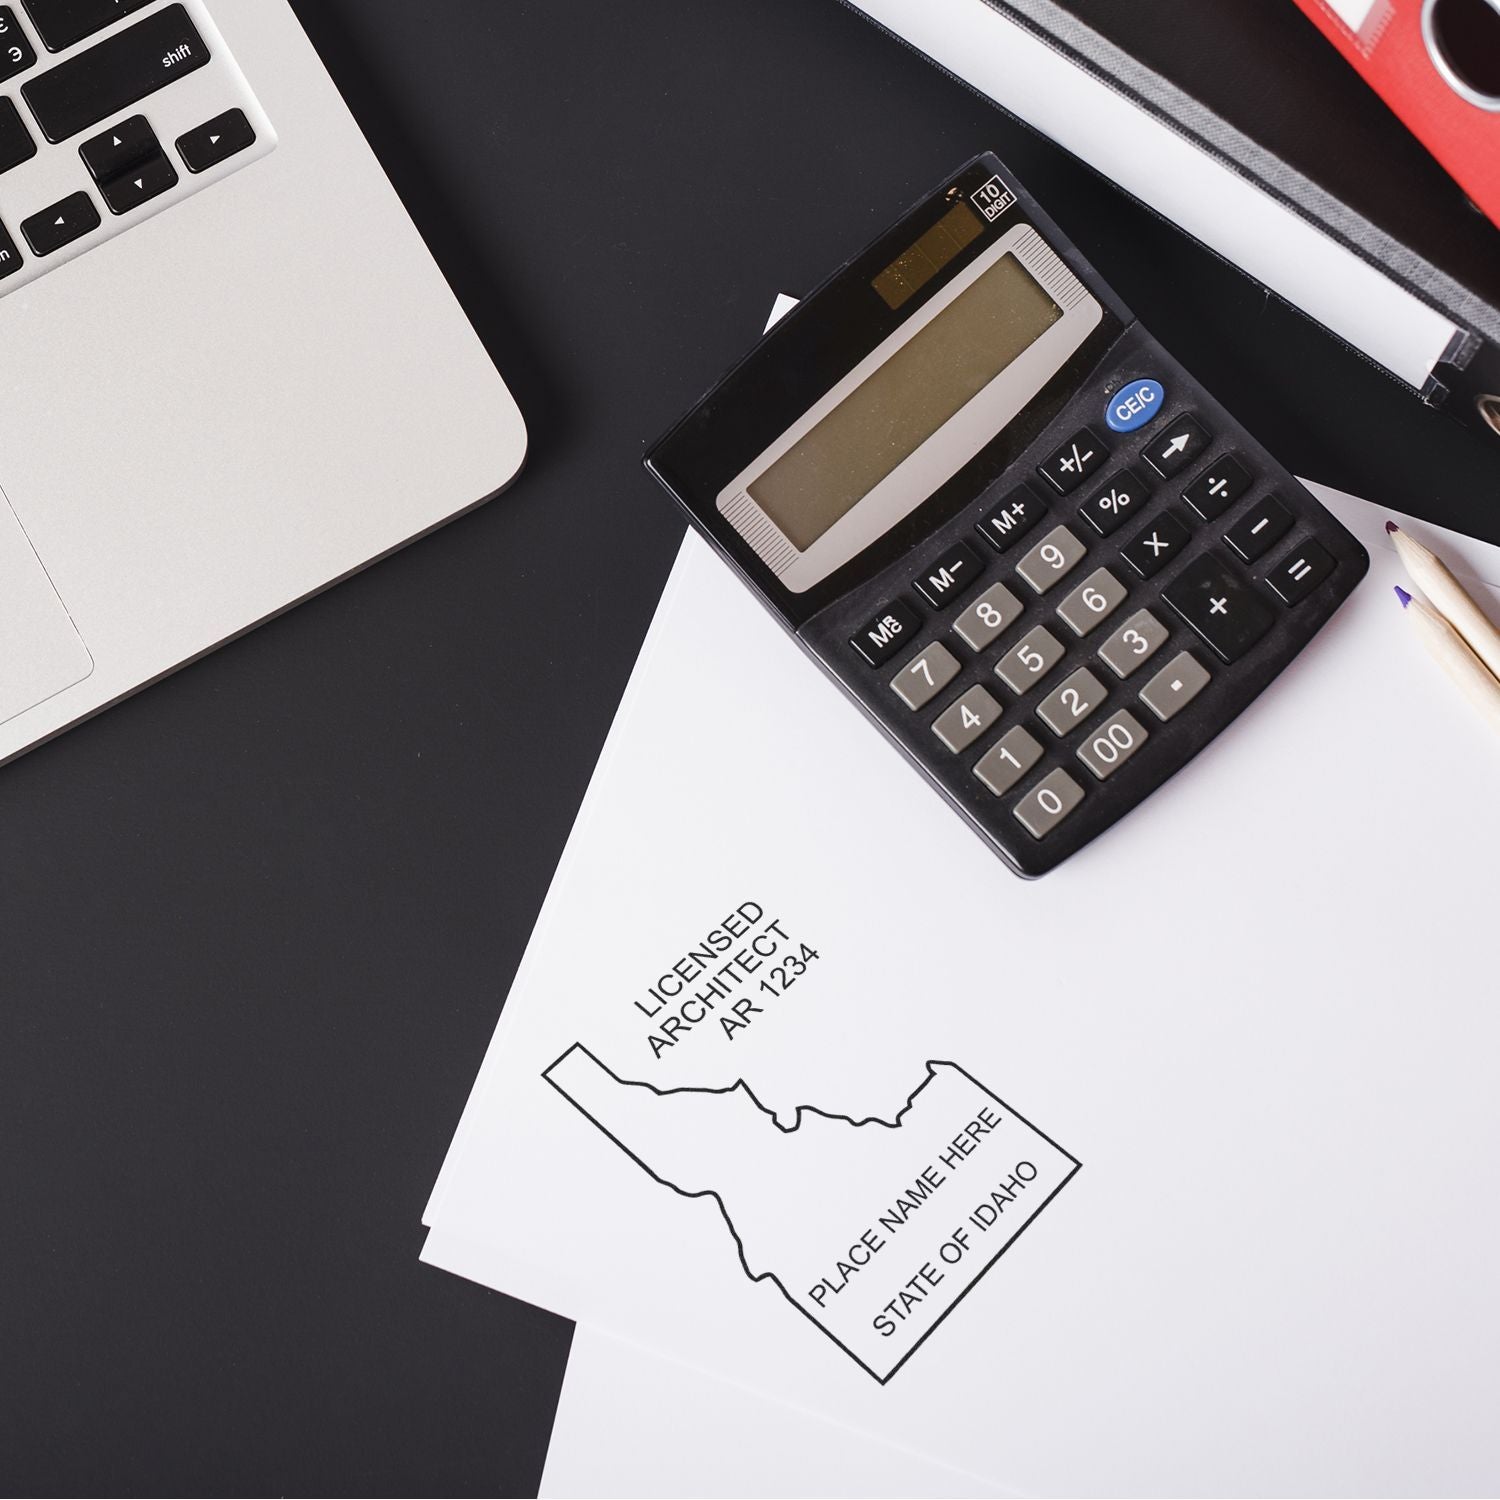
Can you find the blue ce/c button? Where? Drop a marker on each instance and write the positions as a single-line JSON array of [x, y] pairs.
[[1134, 405]]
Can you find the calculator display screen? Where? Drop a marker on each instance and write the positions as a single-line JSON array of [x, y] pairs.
[[904, 401]]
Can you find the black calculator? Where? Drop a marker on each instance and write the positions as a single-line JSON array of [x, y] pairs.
[[1036, 552]]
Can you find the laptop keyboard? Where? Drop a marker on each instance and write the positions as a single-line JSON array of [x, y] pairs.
[[60, 23], [110, 110]]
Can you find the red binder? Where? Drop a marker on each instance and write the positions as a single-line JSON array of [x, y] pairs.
[[1437, 64]]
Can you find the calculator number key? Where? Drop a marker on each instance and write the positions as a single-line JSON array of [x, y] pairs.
[[1134, 643], [1048, 803], [1092, 602], [881, 638], [1029, 660], [1176, 445], [1007, 761], [1120, 499], [1157, 545], [1219, 607], [949, 576], [1175, 686], [1067, 707], [925, 676], [1211, 494], [1052, 559], [1112, 744], [1009, 521], [1079, 457], [959, 726], [988, 617]]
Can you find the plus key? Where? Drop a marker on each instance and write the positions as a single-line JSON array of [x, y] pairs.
[[1222, 609]]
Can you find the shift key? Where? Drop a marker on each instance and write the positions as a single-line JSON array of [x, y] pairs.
[[115, 74]]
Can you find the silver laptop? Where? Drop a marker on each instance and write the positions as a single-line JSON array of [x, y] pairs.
[[230, 373]]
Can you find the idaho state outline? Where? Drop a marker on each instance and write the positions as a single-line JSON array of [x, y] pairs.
[[887, 1224]]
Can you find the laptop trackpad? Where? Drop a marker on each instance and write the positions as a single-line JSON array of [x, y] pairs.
[[40, 651]]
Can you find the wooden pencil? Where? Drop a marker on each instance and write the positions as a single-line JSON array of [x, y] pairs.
[[1449, 649], [1449, 597]]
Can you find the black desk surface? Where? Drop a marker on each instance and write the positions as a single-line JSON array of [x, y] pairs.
[[258, 922]]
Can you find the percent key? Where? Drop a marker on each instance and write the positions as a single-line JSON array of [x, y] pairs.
[[1120, 499]]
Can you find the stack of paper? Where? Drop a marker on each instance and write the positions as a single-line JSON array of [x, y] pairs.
[[633, 1423], [1173, 1171]]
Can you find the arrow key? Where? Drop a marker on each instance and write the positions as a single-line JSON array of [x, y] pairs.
[[109, 153], [60, 225], [222, 137], [1175, 446], [138, 184]]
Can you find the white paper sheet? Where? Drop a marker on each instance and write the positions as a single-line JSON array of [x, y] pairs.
[[631, 1423], [1259, 1012]]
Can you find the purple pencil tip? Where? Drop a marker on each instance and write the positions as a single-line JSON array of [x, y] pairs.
[[1391, 526], [1403, 596]]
